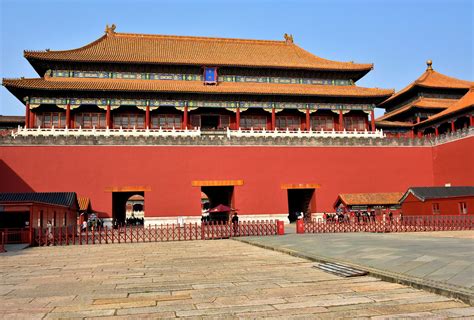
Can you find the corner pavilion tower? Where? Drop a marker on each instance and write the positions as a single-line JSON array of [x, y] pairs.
[[139, 81]]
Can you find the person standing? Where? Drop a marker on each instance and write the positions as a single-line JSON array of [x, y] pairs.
[[49, 233], [235, 223]]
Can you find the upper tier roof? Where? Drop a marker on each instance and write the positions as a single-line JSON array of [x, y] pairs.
[[201, 51], [467, 101], [430, 79], [79, 84]]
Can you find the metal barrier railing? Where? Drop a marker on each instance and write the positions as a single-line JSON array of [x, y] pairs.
[[157, 233], [405, 224]]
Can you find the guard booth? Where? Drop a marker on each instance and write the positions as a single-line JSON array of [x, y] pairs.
[[21, 213]]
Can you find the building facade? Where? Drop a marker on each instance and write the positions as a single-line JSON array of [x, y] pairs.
[[263, 127], [436, 201]]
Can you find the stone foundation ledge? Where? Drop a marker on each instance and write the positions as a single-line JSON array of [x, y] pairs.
[[223, 140]]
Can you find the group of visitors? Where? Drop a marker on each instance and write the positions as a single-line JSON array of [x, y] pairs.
[[356, 217]]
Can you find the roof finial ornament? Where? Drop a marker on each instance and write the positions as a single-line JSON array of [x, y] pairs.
[[429, 65], [288, 38], [110, 30]]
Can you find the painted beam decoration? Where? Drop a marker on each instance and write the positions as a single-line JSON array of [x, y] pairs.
[[155, 104], [213, 77]]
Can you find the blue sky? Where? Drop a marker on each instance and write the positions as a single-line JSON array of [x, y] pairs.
[[397, 36]]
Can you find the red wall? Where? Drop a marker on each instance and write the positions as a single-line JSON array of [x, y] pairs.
[[454, 163], [412, 206], [168, 171]]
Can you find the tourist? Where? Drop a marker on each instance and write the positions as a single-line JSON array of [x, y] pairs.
[[49, 233], [84, 225], [235, 223]]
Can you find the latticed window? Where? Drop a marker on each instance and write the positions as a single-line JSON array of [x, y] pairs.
[[256, 122], [224, 121], [50, 119], [462, 207], [354, 123], [322, 122], [166, 121], [435, 207], [90, 120], [129, 121], [290, 122]]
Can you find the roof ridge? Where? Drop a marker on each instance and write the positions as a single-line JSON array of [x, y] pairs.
[[178, 37]]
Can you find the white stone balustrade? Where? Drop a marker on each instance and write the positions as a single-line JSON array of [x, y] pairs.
[[57, 132], [304, 134], [107, 132]]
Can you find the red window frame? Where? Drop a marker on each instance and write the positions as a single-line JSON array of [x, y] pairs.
[[257, 122], [354, 122], [166, 121], [129, 121], [290, 122], [462, 208], [89, 120], [325, 122], [48, 119]]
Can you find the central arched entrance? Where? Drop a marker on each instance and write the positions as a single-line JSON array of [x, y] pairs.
[[128, 208]]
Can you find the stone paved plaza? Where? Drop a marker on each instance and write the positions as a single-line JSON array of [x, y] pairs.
[[443, 260], [200, 280]]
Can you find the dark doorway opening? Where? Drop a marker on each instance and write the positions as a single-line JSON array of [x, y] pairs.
[[217, 196], [300, 200], [119, 205], [14, 219], [209, 121]]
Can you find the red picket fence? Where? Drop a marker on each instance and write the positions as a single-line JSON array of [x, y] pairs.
[[2, 242], [158, 233], [15, 235], [406, 224]]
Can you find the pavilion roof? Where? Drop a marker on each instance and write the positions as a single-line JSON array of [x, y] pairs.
[[420, 103], [430, 79], [66, 199], [427, 193], [351, 199], [82, 84], [201, 51], [467, 101]]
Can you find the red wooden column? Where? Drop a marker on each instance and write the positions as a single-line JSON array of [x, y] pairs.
[[436, 131], [372, 121], [237, 119], [308, 120], [107, 117], [341, 121], [147, 117], [453, 128], [471, 120], [68, 115], [185, 118], [27, 115], [273, 119]]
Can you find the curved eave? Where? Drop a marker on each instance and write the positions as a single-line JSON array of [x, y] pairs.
[[159, 86]]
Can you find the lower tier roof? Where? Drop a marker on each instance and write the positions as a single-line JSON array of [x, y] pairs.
[[173, 86]]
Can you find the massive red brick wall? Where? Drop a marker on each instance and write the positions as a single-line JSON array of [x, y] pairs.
[[454, 163], [168, 171]]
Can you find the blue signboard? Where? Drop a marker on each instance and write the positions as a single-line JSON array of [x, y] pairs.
[[210, 75]]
